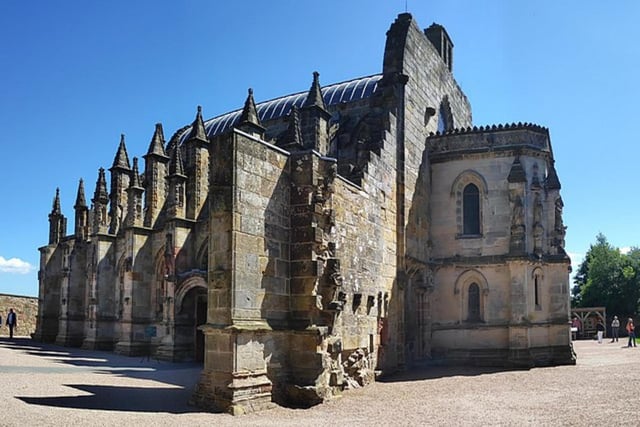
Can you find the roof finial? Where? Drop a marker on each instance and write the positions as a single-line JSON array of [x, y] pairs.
[[176, 166], [80, 199], [122, 158], [249, 112], [157, 142], [56, 202], [135, 175], [197, 127], [314, 97]]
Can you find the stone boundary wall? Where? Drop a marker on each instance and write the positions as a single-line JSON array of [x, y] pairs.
[[26, 309]]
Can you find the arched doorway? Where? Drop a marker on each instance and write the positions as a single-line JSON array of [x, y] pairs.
[[191, 312]]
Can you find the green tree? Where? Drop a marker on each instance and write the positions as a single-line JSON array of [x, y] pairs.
[[608, 278]]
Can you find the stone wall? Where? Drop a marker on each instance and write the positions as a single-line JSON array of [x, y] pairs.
[[26, 309]]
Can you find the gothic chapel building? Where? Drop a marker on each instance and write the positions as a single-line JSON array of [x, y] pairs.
[[309, 243]]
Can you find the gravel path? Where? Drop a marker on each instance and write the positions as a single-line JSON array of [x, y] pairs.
[[50, 385]]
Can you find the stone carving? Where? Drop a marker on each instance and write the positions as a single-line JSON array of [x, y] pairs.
[[518, 228], [517, 216], [357, 367], [559, 228], [538, 228], [309, 286], [169, 259]]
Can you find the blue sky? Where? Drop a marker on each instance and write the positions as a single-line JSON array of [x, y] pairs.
[[77, 74]]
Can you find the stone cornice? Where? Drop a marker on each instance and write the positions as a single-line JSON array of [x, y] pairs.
[[489, 139]]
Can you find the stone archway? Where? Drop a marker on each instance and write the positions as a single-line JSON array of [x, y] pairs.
[[191, 312]]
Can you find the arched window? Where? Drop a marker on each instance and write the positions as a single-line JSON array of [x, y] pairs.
[[473, 309], [537, 289], [471, 210]]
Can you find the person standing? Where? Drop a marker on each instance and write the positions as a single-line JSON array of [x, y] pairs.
[[631, 330], [615, 329], [12, 322], [600, 329]]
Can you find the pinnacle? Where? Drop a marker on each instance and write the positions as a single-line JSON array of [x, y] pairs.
[[122, 158], [314, 98], [249, 112]]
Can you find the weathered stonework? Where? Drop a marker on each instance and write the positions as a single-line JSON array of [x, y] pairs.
[[307, 244], [26, 309]]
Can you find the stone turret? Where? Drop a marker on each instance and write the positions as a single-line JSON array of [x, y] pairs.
[[57, 221], [82, 214], [155, 172], [134, 194], [197, 166], [314, 119], [249, 121], [439, 38], [177, 182], [99, 204], [120, 177]]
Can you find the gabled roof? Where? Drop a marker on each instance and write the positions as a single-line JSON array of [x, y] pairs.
[[352, 90]]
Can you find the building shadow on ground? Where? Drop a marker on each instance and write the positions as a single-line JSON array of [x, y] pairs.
[[420, 373], [174, 382]]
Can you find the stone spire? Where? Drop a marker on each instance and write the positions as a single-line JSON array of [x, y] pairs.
[[57, 221], [176, 166], [81, 202], [82, 214], [101, 194], [552, 182], [314, 97], [196, 166], [99, 204], [135, 176], [157, 143], [134, 192], [197, 128], [249, 120], [120, 178], [155, 172], [56, 210], [122, 159], [177, 184], [314, 119]]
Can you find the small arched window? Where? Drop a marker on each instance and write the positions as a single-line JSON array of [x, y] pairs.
[[473, 309], [537, 289], [471, 210]]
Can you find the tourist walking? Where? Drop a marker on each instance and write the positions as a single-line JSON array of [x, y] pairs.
[[615, 329], [631, 330], [600, 329], [12, 322]]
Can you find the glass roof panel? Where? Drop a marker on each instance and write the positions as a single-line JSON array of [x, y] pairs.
[[348, 91]]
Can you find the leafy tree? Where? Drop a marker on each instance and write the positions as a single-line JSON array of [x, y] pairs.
[[608, 278]]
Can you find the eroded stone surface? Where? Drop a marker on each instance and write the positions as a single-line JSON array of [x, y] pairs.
[[344, 238]]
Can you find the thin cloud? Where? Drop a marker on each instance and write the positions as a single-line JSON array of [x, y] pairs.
[[625, 250], [15, 266]]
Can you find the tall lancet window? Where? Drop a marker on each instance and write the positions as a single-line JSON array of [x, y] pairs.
[[473, 309], [471, 210]]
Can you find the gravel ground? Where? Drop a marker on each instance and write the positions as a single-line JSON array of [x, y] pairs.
[[50, 385]]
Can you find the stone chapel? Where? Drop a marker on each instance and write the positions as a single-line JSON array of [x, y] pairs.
[[307, 244]]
